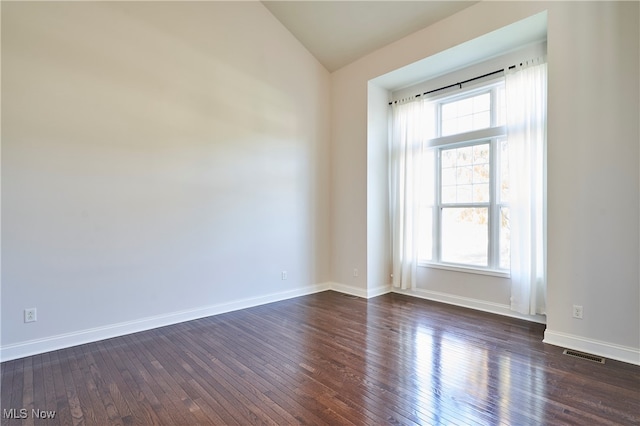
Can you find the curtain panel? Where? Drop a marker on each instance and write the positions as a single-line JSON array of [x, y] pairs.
[[410, 129], [526, 104]]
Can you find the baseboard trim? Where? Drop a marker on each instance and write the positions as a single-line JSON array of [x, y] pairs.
[[379, 291], [61, 341], [466, 302], [591, 346], [348, 289], [34, 347], [359, 292]]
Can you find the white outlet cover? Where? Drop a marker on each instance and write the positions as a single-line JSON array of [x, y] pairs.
[[30, 315], [578, 311]]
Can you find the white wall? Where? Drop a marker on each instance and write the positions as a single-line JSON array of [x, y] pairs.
[[593, 167], [378, 236], [160, 161], [593, 189], [348, 182]]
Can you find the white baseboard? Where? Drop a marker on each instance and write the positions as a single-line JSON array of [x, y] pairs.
[[379, 291], [466, 302], [61, 341], [347, 289], [33, 347], [360, 292], [591, 346]]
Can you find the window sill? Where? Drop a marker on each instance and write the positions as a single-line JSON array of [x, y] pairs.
[[466, 269]]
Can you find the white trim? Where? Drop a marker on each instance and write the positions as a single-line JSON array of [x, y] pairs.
[[360, 292], [592, 346], [61, 341], [472, 137], [379, 291], [348, 289], [466, 302]]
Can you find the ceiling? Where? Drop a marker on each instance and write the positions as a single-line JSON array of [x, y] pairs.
[[339, 32]]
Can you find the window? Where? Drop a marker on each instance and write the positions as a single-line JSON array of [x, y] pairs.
[[463, 217], [463, 194]]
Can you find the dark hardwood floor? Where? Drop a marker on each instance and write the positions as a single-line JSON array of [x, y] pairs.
[[325, 359]]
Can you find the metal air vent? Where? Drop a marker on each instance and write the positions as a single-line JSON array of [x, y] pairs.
[[583, 355]]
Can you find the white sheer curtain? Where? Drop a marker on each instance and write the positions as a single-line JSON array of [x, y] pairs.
[[526, 104], [412, 126]]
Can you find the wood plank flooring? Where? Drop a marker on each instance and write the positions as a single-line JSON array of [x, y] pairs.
[[324, 359]]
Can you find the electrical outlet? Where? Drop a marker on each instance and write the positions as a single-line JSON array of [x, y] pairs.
[[355, 272], [577, 311], [30, 315], [284, 275]]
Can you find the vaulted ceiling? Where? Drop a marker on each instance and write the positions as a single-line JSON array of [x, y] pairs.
[[339, 32]]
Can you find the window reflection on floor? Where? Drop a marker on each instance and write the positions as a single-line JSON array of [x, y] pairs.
[[453, 379]]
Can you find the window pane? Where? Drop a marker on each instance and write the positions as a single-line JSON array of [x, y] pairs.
[[481, 173], [464, 175], [466, 114], [481, 153], [448, 158], [465, 124], [465, 236], [481, 120], [465, 107], [481, 193], [449, 127], [482, 102], [449, 176], [449, 110], [449, 194], [464, 156], [464, 193], [505, 239], [465, 179]]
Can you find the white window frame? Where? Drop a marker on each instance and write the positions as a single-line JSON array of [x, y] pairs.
[[492, 135]]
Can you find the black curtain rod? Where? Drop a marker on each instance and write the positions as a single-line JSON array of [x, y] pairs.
[[458, 84]]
